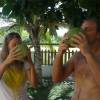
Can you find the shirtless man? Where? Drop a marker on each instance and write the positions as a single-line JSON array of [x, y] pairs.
[[85, 65]]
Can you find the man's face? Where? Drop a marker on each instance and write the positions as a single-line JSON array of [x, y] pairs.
[[90, 30]]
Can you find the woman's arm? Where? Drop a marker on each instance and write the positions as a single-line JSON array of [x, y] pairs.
[[31, 72], [2, 68], [31, 75]]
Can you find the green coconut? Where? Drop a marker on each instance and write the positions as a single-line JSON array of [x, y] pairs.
[[72, 31], [23, 49]]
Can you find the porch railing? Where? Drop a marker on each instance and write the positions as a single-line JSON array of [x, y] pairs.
[[49, 56]]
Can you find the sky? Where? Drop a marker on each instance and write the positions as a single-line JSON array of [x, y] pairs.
[[61, 31], [4, 23]]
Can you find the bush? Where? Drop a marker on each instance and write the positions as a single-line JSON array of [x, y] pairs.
[[50, 91]]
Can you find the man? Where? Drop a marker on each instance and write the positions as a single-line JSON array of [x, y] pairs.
[[85, 65]]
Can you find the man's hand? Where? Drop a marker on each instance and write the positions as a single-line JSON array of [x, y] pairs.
[[80, 41], [63, 47]]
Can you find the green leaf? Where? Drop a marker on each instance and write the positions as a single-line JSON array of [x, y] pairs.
[[2, 2], [6, 9], [88, 4]]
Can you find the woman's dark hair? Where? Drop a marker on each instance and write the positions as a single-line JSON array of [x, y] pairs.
[[11, 35], [5, 51]]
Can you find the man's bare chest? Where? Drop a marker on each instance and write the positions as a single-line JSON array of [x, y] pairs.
[[83, 73]]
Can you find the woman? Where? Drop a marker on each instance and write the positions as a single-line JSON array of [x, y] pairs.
[[14, 72]]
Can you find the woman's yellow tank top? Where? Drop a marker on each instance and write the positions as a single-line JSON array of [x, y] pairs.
[[14, 78]]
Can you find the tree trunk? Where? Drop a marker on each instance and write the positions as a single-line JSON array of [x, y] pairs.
[[34, 33], [38, 58]]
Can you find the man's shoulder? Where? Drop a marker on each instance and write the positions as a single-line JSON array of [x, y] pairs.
[[76, 57]]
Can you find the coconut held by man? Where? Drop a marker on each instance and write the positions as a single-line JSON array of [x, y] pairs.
[[72, 31]]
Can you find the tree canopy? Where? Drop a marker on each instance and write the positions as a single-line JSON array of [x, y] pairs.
[[50, 11]]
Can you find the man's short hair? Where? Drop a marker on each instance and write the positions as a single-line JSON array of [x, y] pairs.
[[96, 20]]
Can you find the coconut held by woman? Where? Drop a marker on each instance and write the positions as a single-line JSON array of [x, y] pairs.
[[23, 49]]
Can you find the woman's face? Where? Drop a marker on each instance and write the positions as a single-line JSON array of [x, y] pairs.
[[13, 41]]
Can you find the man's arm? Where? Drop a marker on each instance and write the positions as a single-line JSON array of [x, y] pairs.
[[60, 71]]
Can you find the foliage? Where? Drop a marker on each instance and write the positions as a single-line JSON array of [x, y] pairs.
[[2, 31], [40, 93], [50, 12], [23, 33], [27, 11], [91, 5], [61, 91], [72, 12], [49, 91], [49, 39]]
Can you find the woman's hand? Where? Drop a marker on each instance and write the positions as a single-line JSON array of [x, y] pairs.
[[14, 54]]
